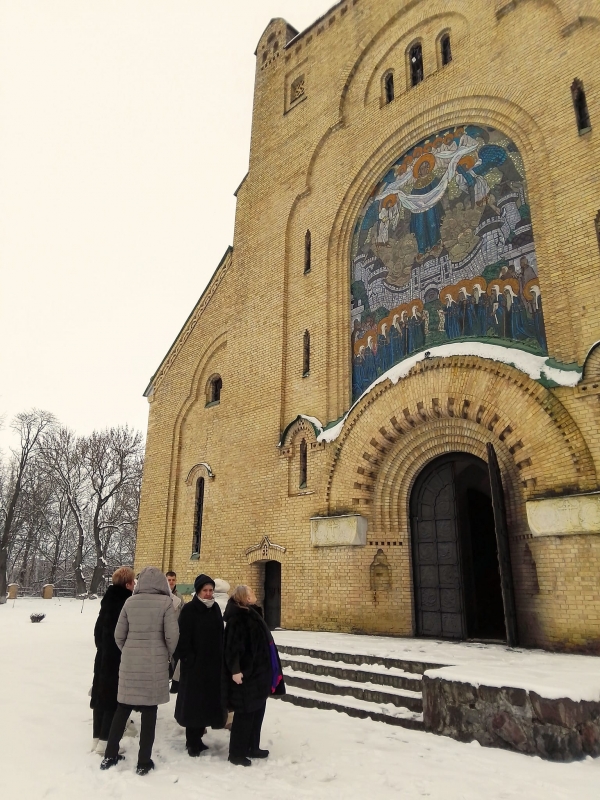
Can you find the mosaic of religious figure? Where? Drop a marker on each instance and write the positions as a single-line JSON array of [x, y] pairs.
[[443, 251]]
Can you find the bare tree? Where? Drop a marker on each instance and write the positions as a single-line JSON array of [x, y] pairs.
[[62, 454], [29, 426], [111, 461]]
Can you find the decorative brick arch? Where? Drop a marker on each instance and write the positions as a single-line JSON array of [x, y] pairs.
[[591, 367], [266, 550], [198, 471], [455, 404], [303, 427]]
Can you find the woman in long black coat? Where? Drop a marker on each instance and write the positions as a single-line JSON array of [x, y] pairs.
[[200, 652], [108, 655], [252, 674]]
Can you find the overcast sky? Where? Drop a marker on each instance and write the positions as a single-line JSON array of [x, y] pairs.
[[124, 131]]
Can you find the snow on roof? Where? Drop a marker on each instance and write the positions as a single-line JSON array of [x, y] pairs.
[[537, 367]]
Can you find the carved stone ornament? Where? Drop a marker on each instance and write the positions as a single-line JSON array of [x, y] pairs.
[[343, 531], [265, 551], [564, 516], [381, 573]]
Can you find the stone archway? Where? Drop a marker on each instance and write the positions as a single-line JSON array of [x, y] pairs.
[[458, 404]]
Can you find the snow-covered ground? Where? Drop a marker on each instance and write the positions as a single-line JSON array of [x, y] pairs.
[[45, 674]]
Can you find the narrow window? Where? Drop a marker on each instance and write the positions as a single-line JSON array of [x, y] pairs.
[[598, 228], [303, 464], [388, 85], [307, 253], [199, 509], [581, 107], [416, 64], [215, 389], [446, 49], [306, 354]]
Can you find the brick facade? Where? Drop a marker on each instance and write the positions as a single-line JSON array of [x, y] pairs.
[[321, 137]]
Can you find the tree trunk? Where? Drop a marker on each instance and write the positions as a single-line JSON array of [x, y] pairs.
[[76, 566], [3, 580], [97, 576], [21, 579]]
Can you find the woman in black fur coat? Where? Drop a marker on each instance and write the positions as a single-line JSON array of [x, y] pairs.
[[200, 651], [252, 674], [108, 655]]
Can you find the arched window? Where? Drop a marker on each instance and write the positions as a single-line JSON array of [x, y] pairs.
[[303, 465], [215, 387], [306, 354], [581, 107], [198, 511], [446, 49], [415, 58], [307, 252], [388, 87]]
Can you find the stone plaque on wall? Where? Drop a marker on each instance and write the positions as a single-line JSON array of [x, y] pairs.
[[343, 531], [562, 516]]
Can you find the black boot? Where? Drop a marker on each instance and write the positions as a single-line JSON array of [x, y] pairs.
[[144, 769], [258, 753], [107, 763], [195, 751], [240, 761]]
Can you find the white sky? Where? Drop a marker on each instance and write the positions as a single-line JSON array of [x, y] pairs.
[[124, 131]]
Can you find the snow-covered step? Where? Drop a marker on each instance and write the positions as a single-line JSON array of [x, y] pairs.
[[372, 674], [356, 659], [369, 692], [380, 712]]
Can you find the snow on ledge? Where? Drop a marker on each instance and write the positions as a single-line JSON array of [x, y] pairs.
[[536, 367], [543, 673]]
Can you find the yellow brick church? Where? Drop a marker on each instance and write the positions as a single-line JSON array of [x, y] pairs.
[[384, 411]]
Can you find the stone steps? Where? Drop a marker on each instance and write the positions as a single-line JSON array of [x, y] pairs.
[[397, 679], [383, 689]]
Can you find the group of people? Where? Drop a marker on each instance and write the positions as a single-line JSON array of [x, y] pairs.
[[220, 663]]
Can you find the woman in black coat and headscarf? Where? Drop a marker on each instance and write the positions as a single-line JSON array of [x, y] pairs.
[[108, 655], [200, 652], [252, 674]]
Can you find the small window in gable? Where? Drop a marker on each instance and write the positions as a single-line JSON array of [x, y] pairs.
[[297, 90], [415, 61], [388, 87], [446, 49], [580, 105], [307, 252], [303, 482], [306, 354]]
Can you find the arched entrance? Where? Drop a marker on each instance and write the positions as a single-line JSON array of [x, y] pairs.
[[457, 583]]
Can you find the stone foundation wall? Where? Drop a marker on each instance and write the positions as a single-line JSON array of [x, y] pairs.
[[512, 719]]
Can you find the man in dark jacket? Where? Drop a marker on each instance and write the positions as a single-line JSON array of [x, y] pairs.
[[252, 674], [200, 651], [108, 656]]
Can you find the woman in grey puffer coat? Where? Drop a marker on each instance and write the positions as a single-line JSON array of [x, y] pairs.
[[147, 634]]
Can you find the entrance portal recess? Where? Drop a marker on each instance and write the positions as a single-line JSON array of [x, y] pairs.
[[458, 531], [273, 594]]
